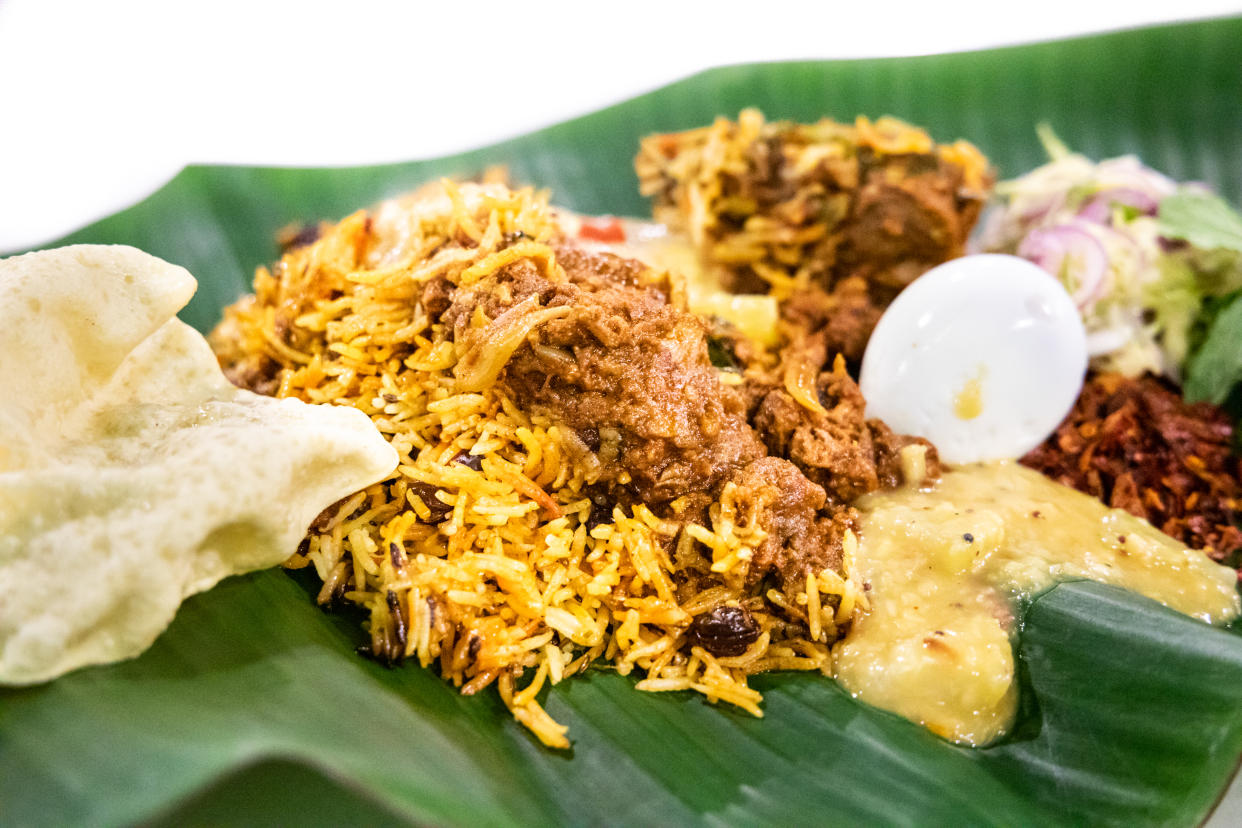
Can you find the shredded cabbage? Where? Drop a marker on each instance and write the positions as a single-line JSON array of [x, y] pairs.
[[1096, 227]]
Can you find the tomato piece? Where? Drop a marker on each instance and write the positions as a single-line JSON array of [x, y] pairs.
[[602, 229]]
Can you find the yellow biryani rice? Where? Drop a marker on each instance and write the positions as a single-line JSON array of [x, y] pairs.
[[479, 555], [775, 205]]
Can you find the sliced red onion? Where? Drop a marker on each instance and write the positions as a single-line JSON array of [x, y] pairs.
[[1100, 206], [1038, 210], [1072, 254], [1127, 172], [1124, 246]]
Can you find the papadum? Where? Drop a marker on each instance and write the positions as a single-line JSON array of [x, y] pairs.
[[132, 473]]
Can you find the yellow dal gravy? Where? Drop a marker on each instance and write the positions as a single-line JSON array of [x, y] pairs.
[[944, 564]]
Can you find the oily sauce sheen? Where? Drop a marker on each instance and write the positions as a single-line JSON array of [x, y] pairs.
[[945, 564]]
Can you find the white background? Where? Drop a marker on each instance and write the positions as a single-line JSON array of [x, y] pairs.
[[101, 102]]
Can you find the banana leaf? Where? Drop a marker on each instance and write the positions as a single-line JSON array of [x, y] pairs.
[[253, 708]]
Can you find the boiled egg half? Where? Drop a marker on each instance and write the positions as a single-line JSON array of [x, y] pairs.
[[983, 355]]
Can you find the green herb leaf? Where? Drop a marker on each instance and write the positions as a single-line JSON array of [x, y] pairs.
[[720, 352], [1202, 219], [1214, 370]]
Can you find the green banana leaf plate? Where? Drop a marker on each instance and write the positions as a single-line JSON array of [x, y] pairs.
[[253, 708]]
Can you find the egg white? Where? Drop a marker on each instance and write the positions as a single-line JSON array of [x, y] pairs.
[[982, 355]]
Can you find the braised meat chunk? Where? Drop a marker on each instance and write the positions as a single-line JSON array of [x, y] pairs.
[[624, 368], [797, 208], [789, 205], [824, 432], [802, 537], [836, 321]]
